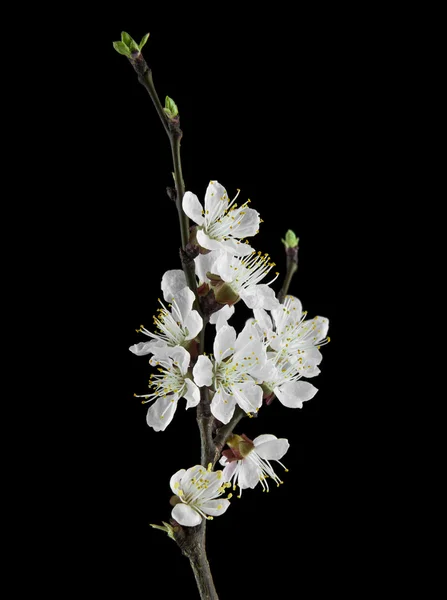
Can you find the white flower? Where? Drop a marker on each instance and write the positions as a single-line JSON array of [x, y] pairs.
[[290, 334], [175, 327], [247, 462], [243, 274], [169, 386], [230, 372], [221, 225], [199, 491], [281, 377]]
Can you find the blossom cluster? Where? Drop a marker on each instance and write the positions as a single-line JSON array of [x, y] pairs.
[[276, 349]]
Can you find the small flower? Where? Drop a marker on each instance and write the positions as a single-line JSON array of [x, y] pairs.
[[169, 386], [247, 462], [199, 491], [241, 276], [221, 224], [229, 372], [289, 333], [281, 377], [175, 327]]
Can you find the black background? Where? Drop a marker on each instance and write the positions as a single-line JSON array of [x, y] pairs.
[[281, 107]]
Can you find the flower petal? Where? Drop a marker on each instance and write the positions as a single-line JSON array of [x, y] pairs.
[[249, 474], [205, 241], [293, 393], [204, 263], [192, 207], [263, 318], [265, 437], [143, 348], [182, 303], [185, 515], [175, 479], [224, 342], [259, 296], [222, 406], [216, 200], [273, 449], [162, 411], [248, 396], [203, 371], [182, 357], [220, 317], [229, 469], [236, 247], [193, 324], [192, 394], [248, 224], [172, 282], [215, 508]]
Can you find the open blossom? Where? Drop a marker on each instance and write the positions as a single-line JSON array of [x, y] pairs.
[[282, 378], [221, 225], [289, 333], [247, 462], [229, 372], [239, 277], [199, 491], [171, 384], [175, 326]]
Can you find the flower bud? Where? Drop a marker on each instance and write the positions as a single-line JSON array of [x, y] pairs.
[[291, 240]]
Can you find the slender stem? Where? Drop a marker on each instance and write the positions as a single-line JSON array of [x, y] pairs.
[[191, 540], [224, 432], [292, 267]]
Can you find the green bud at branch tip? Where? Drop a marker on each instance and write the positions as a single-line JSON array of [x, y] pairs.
[[291, 240], [170, 109]]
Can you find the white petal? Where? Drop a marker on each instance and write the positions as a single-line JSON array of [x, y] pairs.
[[230, 468], [185, 515], [176, 479], [184, 299], [203, 371], [224, 342], [249, 334], [236, 247], [161, 413], [224, 264], [249, 224], [249, 474], [220, 317], [273, 450], [322, 327], [193, 324], [181, 356], [206, 242], [143, 348], [216, 199], [249, 353], [222, 406], [172, 282], [204, 263], [263, 319], [214, 508], [192, 207], [265, 437], [248, 396], [293, 393], [259, 296], [192, 394]]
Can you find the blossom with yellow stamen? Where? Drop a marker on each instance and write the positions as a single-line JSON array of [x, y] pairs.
[[221, 224], [198, 495]]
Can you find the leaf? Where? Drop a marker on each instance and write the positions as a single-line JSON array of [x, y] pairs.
[[121, 48], [144, 40], [125, 37], [134, 46]]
